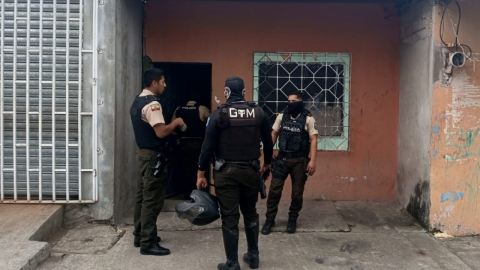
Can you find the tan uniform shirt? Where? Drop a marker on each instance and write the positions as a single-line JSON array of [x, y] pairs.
[[310, 125], [152, 113], [202, 110]]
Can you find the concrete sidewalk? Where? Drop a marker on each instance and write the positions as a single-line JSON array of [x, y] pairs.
[[341, 235], [23, 231]]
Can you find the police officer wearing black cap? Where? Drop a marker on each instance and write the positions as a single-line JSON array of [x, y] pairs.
[[150, 130], [233, 135]]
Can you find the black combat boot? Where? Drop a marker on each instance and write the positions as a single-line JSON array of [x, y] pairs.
[[252, 257], [156, 250], [267, 227], [230, 242], [292, 225]]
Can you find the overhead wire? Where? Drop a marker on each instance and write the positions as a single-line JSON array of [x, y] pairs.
[[455, 31]]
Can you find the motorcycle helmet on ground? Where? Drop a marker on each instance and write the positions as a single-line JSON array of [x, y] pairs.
[[202, 209]]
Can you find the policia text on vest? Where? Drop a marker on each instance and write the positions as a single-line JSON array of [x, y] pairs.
[[297, 134], [195, 117], [150, 130], [233, 135]]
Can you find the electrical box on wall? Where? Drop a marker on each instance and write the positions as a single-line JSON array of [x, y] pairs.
[[457, 59], [454, 53], [452, 60]]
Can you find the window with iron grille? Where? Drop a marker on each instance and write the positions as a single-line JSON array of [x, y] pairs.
[[324, 80]]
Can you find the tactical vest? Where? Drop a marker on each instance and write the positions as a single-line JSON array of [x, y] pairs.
[[293, 136], [240, 130], [144, 133], [191, 117]]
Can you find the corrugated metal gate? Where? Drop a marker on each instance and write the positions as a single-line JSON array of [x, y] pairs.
[[48, 101]]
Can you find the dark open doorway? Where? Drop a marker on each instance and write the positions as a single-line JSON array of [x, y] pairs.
[[185, 82]]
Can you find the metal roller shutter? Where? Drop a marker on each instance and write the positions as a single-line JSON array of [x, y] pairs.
[[47, 102]]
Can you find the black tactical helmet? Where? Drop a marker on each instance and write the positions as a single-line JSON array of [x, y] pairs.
[[202, 209]]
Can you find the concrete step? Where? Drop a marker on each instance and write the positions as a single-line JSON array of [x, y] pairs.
[[22, 228], [24, 255]]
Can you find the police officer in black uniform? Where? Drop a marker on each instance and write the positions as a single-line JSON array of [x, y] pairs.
[[195, 117], [233, 135], [150, 130]]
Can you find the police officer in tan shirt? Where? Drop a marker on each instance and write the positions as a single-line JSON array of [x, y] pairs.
[[150, 130], [297, 133], [309, 125]]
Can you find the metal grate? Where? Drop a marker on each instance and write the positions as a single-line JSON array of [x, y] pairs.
[[48, 109], [323, 78]]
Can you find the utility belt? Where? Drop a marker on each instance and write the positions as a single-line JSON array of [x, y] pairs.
[[191, 138], [162, 160], [166, 148], [156, 149], [283, 154], [280, 170], [219, 163]]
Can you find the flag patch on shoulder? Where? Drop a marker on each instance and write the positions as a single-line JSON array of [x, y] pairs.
[[155, 107]]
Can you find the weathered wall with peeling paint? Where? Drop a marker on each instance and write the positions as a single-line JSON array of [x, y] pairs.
[[415, 105], [128, 81], [455, 121], [227, 34]]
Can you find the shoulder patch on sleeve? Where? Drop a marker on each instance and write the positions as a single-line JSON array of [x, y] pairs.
[[155, 107]]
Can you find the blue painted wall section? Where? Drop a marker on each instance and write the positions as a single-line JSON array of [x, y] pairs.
[[451, 196]]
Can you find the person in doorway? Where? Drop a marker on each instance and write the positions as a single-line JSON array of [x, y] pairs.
[[233, 136], [195, 116], [297, 133], [150, 130]]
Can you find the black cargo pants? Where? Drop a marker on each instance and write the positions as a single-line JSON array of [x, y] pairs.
[[297, 168], [237, 185], [149, 199]]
